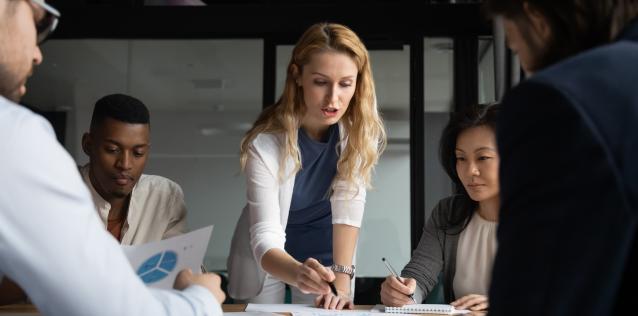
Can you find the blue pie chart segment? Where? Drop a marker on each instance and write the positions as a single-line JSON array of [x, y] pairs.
[[157, 267], [169, 261]]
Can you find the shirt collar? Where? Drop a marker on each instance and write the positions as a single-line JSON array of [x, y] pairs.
[[103, 207]]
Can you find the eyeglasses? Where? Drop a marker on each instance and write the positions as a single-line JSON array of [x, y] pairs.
[[48, 23]]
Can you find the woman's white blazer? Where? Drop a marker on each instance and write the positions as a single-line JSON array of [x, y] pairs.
[[262, 224]]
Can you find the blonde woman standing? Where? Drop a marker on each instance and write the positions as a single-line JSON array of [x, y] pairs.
[[308, 161]]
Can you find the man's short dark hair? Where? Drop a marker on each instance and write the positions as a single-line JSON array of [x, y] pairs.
[[120, 107]]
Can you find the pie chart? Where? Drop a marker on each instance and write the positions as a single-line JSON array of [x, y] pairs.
[[157, 267]]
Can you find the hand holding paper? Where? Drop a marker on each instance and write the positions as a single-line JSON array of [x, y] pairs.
[[157, 263], [210, 281]]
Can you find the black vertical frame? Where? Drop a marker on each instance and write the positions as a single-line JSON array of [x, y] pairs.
[[270, 69], [465, 71], [417, 140], [466, 75]]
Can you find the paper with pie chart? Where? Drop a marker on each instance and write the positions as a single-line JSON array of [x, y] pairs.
[[157, 263]]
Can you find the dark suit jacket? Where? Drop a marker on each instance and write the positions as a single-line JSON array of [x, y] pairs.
[[568, 140]]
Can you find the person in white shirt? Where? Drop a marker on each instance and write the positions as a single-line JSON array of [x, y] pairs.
[[135, 208], [51, 242]]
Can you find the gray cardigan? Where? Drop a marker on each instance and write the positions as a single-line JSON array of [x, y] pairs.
[[436, 251]]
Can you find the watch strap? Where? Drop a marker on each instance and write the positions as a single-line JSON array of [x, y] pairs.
[[349, 270]]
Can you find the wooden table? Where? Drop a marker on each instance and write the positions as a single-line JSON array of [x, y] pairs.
[[31, 310]]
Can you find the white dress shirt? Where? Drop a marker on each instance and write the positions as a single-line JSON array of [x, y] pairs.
[[53, 244], [156, 209]]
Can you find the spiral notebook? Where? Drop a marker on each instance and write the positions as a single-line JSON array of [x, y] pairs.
[[445, 309]]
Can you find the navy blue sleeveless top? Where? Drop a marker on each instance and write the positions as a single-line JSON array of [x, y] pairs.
[[309, 229]]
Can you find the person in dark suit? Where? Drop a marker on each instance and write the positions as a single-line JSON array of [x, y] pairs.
[[568, 142]]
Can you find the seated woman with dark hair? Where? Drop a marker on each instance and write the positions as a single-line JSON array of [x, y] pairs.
[[459, 239]]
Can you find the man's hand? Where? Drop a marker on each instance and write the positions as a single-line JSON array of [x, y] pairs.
[[210, 281]]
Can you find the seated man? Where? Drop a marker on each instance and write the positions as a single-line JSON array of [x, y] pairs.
[[51, 242], [135, 208]]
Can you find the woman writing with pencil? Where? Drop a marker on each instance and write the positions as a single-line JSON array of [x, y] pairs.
[[308, 160], [459, 239]]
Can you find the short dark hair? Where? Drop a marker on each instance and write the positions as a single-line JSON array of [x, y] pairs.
[[471, 116], [121, 107], [576, 25]]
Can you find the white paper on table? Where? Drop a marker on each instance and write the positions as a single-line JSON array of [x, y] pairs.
[[379, 308], [279, 308], [306, 310], [344, 312], [157, 263], [249, 314]]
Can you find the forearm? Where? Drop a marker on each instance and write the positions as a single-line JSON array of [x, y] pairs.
[[281, 265], [10, 292], [342, 283], [426, 262], [344, 241]]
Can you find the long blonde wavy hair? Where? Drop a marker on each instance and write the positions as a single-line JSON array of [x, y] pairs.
[[366, 138]]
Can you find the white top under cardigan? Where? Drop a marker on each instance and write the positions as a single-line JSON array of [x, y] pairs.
[[475, 257], [263, 221]]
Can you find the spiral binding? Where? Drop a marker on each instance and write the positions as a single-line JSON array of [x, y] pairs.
[[422, 309]]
